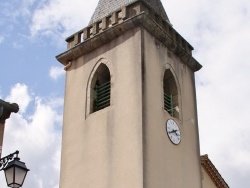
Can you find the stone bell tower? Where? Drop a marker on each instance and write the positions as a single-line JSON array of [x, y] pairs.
[[130, 117]]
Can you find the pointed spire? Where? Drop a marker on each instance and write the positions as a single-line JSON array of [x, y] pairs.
[[106, 7]]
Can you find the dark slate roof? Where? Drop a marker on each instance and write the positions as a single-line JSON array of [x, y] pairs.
[[106, 7]]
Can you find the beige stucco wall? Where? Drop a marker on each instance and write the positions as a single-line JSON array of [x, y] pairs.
[[126, 145], [206, 180], [104, 149], [165, 164]]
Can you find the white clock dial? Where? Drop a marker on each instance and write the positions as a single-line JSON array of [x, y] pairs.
[[173, 131]]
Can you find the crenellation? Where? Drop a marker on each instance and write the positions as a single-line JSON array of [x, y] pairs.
[[160, 27], [188, 48], [106, 7], [104, 23], [165, 26], [91, 31], [114, 18], [109, 21], [184, 45], [133, 10], [138, 7], [78, 38], [70, 42], [99, 25], [95, 29], [146, 9], [158, 20], [172, 33], [120, 20], [103, 31], [124, 13], [86, 34], [151, 13], [179, 40]]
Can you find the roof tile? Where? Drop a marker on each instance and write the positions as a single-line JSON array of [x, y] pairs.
[[106, 7]]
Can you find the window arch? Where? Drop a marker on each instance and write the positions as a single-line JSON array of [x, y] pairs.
[[171, 104], [100, 90]]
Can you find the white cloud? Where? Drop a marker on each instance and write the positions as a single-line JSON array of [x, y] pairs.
[[19, 94], [219, 32], [17, 46], [13, 11], [37, 138], [59, 18], [56, 72], [1, 39]]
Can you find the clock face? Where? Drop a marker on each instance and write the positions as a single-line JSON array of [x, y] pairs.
[[173, 131]]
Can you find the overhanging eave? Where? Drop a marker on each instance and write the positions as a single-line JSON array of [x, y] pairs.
[[178, 45]]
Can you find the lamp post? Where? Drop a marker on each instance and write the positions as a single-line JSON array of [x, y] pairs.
[[15, 170]]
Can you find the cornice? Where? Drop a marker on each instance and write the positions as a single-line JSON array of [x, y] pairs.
[[118, 23]]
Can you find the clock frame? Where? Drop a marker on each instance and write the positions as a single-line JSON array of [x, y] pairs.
[[173, 131]]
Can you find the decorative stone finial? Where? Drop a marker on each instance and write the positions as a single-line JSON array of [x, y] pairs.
[[6, 109]]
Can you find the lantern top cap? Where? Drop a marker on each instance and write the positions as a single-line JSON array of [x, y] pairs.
[[17, 163]]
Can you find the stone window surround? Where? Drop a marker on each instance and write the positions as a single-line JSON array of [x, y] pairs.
[[89, 110]]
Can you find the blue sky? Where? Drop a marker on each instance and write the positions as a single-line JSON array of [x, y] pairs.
[[32, 33]]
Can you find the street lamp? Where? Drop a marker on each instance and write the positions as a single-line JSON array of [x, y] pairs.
[[15, 170]]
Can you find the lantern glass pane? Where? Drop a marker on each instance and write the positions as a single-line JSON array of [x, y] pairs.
[[19, 176], [9, 175]]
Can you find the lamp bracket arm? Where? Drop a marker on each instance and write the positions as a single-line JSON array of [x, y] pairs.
[[5, 160]]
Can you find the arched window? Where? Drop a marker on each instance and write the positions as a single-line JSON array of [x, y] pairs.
[[100, 89], [170, 94]]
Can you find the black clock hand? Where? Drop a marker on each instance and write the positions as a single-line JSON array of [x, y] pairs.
[[174, 131]]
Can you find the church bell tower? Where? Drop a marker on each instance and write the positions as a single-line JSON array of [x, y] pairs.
[[130, 118]]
